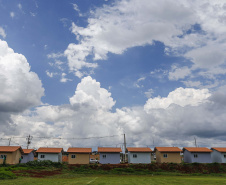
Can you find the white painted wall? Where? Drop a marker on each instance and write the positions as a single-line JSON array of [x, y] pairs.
[[52, 157], [141, 157], [218, 157]]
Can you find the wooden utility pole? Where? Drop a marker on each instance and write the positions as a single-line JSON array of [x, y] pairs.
[[9, 141]]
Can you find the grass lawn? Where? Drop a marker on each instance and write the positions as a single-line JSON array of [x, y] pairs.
[[81, 179]]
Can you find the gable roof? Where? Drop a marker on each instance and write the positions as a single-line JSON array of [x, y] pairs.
[[27, 151], [79, 150], [219, 149], [197, 149], [168, 149], [139, 149], [49, 150], [10, 149], [109, 149]]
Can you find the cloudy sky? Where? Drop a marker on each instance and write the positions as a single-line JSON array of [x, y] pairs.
[[72, 71]]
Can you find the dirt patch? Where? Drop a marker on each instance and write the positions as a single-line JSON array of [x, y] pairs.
[[38, 174]]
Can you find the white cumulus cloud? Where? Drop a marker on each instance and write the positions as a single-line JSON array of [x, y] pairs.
[[20, 87], [180, 96], [89, 93]]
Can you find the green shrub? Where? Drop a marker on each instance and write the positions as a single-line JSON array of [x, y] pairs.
[[7, 175]]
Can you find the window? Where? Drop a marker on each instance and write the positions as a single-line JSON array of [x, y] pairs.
[[165, 155], [42, 156], [195, 155], [3, 156], [73, 156], [134, 155], [104, 156], [22, 157], [224, 155]]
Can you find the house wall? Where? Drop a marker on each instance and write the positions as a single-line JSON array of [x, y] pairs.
[[54, 157], [27, 157], [141, 157], [8, 158], [202, 157], [173, 157], [218, 157], [111, 158], [79, 158], [187, 157], [12, 157]]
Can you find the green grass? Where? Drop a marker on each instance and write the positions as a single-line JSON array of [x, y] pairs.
[[117, 180], [112, 175]]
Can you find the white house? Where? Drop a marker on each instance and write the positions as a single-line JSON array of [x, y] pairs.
[[139, 155], [52, 154], [218, 155]]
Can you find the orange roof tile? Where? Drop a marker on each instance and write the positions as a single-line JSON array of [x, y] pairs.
[[219, 149], [197, 149], [27, 151], [79, 150], [10, 148], [49, 150], [139, 149], [168, 149], [108, 149]]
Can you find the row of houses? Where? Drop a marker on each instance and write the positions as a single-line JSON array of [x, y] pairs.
[[110, 155]]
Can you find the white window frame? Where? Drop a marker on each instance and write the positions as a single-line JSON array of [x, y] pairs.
[[165, 155], [42, 156], [134, 155], [73, 156], [224, 155], [195, 155], [104, 156]]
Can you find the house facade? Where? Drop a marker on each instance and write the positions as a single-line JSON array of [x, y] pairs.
[[218, 155], [52, 154], [109, 155], [139, 155], [168, 154], [11, 154], [27, 156], [79, 155], [197, 155]]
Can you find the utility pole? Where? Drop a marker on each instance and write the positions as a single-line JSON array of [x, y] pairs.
[[29, 138], [125, 147], [195, 142], [9, 141]]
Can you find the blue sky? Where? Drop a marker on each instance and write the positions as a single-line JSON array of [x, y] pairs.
[[44, 28], [130, 61]]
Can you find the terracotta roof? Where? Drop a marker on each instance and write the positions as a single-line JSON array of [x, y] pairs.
[[138, 149], [219, 149], [79, 150], [10, 148], [49, 150], [168, 149], [108, 149], [27, 151], [197, 149]]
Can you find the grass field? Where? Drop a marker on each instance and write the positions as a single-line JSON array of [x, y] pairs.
[[116, 180], [47, 172]]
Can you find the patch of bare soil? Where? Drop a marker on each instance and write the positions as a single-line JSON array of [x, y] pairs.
[[37, 173]]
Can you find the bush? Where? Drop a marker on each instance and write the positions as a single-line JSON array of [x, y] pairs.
[[7, 175], [46, 163]]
